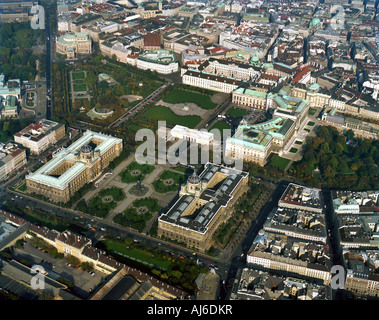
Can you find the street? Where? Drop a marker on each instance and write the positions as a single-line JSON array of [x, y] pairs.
[[48, 65]]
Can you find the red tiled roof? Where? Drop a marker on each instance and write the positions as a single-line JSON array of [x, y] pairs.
[[152, 39], [301, 74]]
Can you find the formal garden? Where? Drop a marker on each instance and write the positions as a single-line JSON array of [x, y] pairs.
[[128, 80], [135, 172], [169, 181], [136, 216], [78, 82], [103, 203], [30, 99]]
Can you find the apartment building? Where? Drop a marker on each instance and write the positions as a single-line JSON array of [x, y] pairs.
[[40, 136], [272, 261], [287, 256], [12, 158]]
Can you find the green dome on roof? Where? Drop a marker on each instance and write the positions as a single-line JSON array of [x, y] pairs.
[[314, 87], [315, 22], [255, 61], [268, 65]]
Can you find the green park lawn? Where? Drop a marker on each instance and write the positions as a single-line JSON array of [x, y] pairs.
[[278, 162], [77, 75], [150, 203], [116, 193], [221, 125], [79, 87], [183, 96], [160, 113], [312, 111], [234, 112], [138, 254], [137, 220]]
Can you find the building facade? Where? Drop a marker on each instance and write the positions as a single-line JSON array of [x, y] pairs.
[[72, 168], [271, 261], [254, 143], [40, 136], [362, 283], [201, 209], [210, 81], [193, 135], [161, 61], [72, 44], [12, 158], [250, 98]]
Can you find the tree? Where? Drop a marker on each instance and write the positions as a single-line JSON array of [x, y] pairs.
[[350, 134], [323, 132], [325, 147], [356, 165], [103, 85], [90, 79], [328, 172], [333, 162], [365, 146], [73, 261], [342, 166], [339, 149]]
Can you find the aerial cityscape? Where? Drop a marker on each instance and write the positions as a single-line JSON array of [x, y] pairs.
[[189, 150]]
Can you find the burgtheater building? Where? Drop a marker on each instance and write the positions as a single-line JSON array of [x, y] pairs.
[[204, 203], [73, 167]]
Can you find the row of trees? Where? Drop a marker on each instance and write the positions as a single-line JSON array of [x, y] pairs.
[[61, 97]]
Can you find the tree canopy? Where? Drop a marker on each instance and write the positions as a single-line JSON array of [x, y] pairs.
[[17, 59], [343, 161]]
